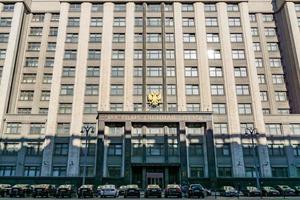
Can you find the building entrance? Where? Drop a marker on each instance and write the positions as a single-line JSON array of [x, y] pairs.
[[155, 178]]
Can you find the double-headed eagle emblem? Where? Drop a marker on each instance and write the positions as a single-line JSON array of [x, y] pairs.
[[154, 99]]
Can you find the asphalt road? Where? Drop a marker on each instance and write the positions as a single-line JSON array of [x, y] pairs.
[[209, 198]]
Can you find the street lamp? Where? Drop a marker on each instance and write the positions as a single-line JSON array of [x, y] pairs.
[[86, 129], [253, 133]]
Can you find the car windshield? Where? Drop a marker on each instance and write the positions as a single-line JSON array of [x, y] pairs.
[[4, 185], [153, 186], [251, 188], [132, 186], [268, 188], [173, 186], [284, 187], [230, 188], [108, 187], [297, 187], [196, 186], [64, 186], [86, 186], [20, 186], [122, 187]]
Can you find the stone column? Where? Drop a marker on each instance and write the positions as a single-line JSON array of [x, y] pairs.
[[266, 63], [106, 50], [238, 168], [129, 51], [181, 98], [211, 155], [203, 67], [55, 92], [255, 94], [100, 150], [127, 153], [289, 151], [41, 61], [183, 153], [79, 90], [10, 58]]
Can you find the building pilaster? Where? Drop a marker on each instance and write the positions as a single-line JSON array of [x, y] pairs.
[[79, 90], [238, 168], [181, 98], [10, 58], [55, 92], [255, 94]]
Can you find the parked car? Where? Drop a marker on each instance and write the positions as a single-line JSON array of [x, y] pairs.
[[153, 191], [99, 190], [269, 191], [4, 190], [251, 191], [66, 191], [285, 190], [173, 190], [132, 191], [196, 190], [297, 189], [229, 191], [42, 190], [86, 191], [109, 191], [20, 190], [122, 189]]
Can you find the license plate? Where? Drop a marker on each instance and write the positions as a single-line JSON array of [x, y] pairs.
[[131, 191], [197, 190]]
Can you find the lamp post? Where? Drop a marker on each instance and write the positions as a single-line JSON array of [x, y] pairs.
[[85, 130], [253, 133]]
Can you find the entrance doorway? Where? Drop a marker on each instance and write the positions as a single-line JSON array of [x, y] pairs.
[[155, 178]]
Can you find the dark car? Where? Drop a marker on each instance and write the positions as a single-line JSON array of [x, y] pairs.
[[4, 190], [285, 190], [153, 191], [196, 190], [269, 191], [251, 191], [122, 189], [42, 190], [132, 191], [173, 190], [20, 190], [229, 191], [297, 189], [86, 191], [65, 191]]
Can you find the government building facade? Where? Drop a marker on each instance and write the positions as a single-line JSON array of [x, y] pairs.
[[169, 88]]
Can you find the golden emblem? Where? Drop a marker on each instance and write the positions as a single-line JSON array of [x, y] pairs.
[[154, 99]]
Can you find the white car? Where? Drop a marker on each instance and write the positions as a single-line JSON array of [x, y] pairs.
[[109, 191]]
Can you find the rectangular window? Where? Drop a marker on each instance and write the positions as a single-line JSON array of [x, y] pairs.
[[277, 78], [70, 54], [8, 7], [195, 150], [91, 90], [26, 95], [240, 72], [223, 149], [61, 149], [73, 21], [53, 31], [37, 128], [258, 62], [116, 107], [95, 38], [214, 54], [4, 37], [47, 79], [34, 149], [49, 62], [45, 95], [171, 90], [66, 90], [36, 31], [191, 71], [68, 72], [193, 107], [268, 17], [14, 128], [34, 46], [29, 78], [5, 22], [272, 46], [190, 54], [116, 90], [117, 72], [236, 37], [256, 46], [24, 110], [118, 54], [232, 8], [187, 8], [72, 38], [97, 8], [252, 17], [217, 89], [244, 108], [154, 149], [261, 78], [55, 17], [219, 108], [59, 171], [276, 150], [90, 108], [279, 172], [192, 89], [212, 37], [114, 150], [138, 21], [153, 54], [188, 22], [94, 54], [211, 22], [238, 54], [220, 128], [153, 21], [65, 108], [154, 71], [264, 96], [96, 22], [280, 96], [51, 46], [275, 62], [120, 8], [295, 129], [254, 31], [74, 7], [63, 128], [273, 129], [93, 72], [234, 22], [270, 32], [170, 72], [7, 170], [242, 90], [215, 72], [119, 21], [118, 37], [32, 170], [169, 37], [210, 7]]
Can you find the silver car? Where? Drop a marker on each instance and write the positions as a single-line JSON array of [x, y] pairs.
[[109, 191]]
